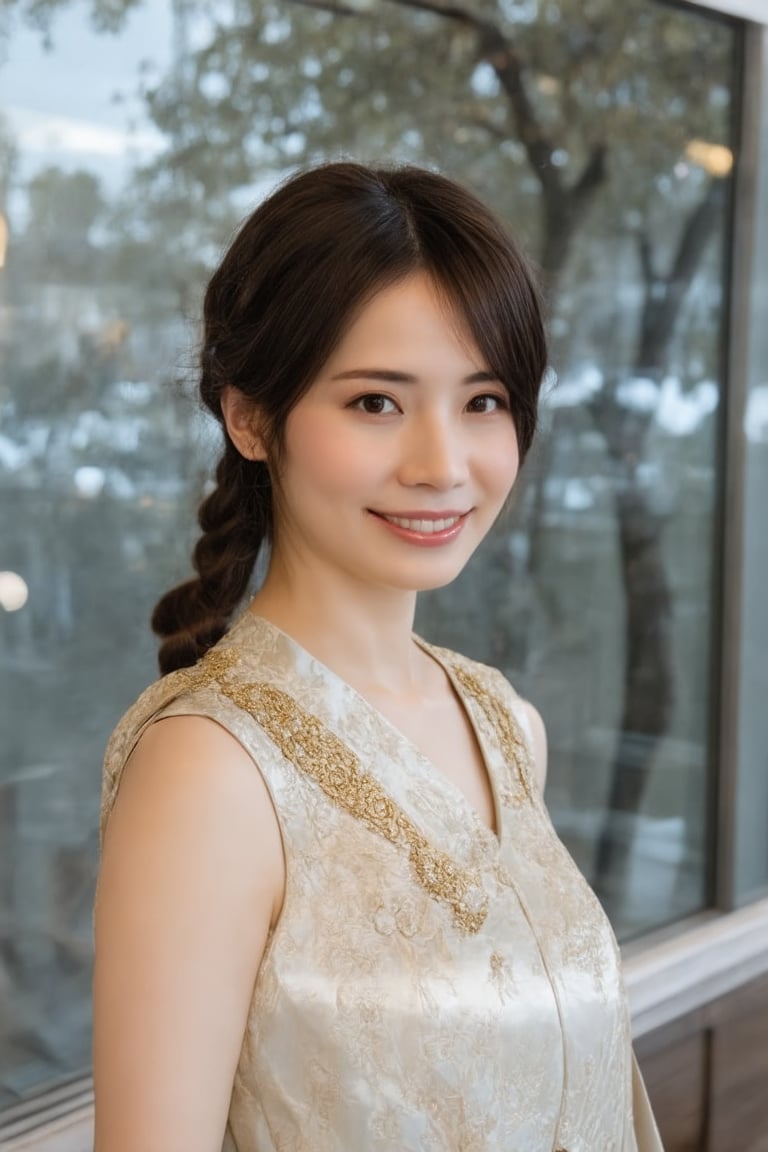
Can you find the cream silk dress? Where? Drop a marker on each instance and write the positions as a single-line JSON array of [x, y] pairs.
[[430, 986]]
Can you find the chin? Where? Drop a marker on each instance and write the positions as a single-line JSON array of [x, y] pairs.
[[430, 582]]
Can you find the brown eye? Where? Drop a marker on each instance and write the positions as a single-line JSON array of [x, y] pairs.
[[488, 402], [375, 404]]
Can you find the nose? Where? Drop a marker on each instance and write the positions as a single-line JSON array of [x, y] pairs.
[[435, 454]]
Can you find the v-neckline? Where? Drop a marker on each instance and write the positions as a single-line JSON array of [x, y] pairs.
[[485, 758], [435, 773]]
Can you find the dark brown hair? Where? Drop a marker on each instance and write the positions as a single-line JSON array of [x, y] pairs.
[[297, 272]]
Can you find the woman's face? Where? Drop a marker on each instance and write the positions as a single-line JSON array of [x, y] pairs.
[[399, 457]]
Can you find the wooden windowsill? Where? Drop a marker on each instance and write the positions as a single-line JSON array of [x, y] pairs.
[[668, 980]]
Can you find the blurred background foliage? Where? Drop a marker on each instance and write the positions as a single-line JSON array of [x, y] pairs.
[[603, 134]]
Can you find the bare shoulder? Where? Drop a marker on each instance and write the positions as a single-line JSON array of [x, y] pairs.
[[191, 879], [189, 777]]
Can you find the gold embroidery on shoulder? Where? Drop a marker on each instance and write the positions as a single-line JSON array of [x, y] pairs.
[[320, 754], [513, 747], [211, 668]]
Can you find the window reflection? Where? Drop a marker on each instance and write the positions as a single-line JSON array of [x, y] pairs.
[[122, 176]]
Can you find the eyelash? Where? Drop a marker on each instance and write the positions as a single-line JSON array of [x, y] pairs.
[[502, 403], [360, 401]]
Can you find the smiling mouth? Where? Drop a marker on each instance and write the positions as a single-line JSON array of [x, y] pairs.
[[426, 527]]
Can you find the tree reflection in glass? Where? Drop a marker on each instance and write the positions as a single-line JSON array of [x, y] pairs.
[[603, 133]]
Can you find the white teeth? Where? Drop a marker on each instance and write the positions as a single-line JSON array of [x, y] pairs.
[[425, 526]]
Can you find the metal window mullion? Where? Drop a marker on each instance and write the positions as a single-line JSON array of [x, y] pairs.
[[746, 207]]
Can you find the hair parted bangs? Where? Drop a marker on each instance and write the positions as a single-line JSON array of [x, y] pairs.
[[325, 242]]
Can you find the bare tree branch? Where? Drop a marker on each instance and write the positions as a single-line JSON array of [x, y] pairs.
[[563, 206], [645, 255], [661, 309], [591, 178], [448, 11], [329, 6], [497, 50], [697, 230]]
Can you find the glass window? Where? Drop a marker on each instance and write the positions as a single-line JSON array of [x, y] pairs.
[[597, 593], [128, 151], [95, 464]]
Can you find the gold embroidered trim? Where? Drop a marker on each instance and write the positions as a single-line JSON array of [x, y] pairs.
[[321, 755], [212, 668], [513, 748]]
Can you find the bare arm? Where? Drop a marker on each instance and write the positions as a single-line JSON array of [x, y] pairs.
[[191, 878]]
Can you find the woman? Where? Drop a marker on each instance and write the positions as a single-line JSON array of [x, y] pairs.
[[332, 912]]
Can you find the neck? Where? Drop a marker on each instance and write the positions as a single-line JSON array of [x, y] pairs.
[[362, 634]]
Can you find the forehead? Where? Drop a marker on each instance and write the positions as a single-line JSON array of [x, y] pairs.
[[412, 317]]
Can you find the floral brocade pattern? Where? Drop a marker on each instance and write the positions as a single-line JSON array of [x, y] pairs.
[[318, 753], [430, 986]]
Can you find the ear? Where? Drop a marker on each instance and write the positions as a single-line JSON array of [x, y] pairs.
[[241, 417]]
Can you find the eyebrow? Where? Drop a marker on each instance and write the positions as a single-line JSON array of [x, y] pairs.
[[390, 376]]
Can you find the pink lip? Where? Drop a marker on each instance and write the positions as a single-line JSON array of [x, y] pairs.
[[448, 515], [424, 539]]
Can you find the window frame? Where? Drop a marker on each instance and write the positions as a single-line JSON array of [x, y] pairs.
[[689, 964], [753, 111], [752, 11]]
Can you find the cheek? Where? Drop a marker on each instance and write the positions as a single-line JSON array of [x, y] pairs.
[[499, 464], [321, 462]]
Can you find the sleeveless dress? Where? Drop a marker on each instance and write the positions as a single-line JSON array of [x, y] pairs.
[[430, 986]]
